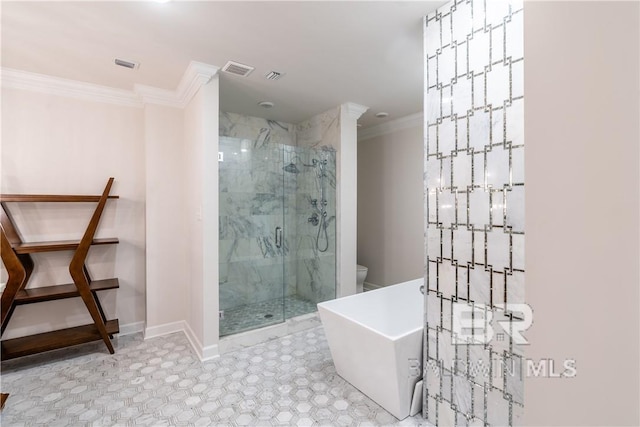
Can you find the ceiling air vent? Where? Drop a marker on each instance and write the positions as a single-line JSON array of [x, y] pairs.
[[273, 75], [127, 64], [237, 68]]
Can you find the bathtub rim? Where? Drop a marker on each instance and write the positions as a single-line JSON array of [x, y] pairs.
[[326, 305]]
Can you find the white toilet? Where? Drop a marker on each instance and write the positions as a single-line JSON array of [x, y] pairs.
[[361, 274]]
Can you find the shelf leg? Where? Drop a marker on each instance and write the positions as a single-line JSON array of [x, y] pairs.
[[79, 272], [19, 267], [95, 295], [90, 302], [17, 277]]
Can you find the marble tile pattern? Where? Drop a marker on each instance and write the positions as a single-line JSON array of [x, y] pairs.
[[474, 204], [251, 200], [315, 249], [250, 316], [260, 131], [288, 381], [257, 195], [317, 138], [320, 130]]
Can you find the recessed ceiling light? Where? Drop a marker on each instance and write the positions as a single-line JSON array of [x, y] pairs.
[[265, 104], [382, 115]]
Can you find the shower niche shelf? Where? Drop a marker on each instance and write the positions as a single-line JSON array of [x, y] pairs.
[[19, 265]]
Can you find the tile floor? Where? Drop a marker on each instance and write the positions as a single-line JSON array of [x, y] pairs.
[[287, 381], [251, 316]]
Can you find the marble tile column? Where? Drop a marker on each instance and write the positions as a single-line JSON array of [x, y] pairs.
[[474, 204]]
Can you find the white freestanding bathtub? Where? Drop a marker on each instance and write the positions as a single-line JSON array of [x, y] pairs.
[[375, 340]]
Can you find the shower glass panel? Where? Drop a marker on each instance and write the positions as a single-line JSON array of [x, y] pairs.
[[314, 241], [252, 247], [277, 231]]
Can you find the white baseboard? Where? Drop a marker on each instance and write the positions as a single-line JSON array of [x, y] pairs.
[[368, 286], [166, 329], [131, 328], [203, 353], [193, 340], [210, 352]]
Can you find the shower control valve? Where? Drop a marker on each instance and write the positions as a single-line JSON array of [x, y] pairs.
[[313, 219]]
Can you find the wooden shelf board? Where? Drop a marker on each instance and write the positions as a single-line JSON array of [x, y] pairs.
[[51, 293], [47, 341], [50, 198], [3, 399], [60, 245]]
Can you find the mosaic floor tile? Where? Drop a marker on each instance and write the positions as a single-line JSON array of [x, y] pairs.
[[251, 316], [288, 381]]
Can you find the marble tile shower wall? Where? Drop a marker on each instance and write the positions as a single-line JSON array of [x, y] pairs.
[[252, 187], [317, 138], [260, 131], [321, 130], [474, 196], [316, 251]]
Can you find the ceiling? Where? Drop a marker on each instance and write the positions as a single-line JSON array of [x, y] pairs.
[[367, 52]]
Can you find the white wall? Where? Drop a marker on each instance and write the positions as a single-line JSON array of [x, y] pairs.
[[582, 109], [390, 205], [58, 145], [210, 301], [167, 246], [201, 189], [347, 198], [193, 215], [161, 146]]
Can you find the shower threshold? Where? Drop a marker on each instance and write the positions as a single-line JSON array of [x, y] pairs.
[[265, 313]]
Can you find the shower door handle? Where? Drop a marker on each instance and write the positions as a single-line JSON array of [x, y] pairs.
[[278, 237]]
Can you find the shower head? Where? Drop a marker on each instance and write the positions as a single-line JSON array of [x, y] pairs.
[[291, 168]]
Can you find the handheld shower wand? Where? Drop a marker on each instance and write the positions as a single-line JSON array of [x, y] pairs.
[[322, 227]]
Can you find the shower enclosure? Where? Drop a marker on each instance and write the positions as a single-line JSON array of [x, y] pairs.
[[277, 231]]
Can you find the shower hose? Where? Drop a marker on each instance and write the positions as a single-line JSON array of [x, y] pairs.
[[322, 227]]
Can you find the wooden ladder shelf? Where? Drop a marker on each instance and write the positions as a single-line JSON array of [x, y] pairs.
[[19, 264]]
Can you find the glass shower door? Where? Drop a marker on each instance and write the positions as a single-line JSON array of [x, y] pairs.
[[252, 243]]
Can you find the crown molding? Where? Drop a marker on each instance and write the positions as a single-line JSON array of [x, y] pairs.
[[26, 80], [354, 110], [196, 75], [157, 96], [407, 122]]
